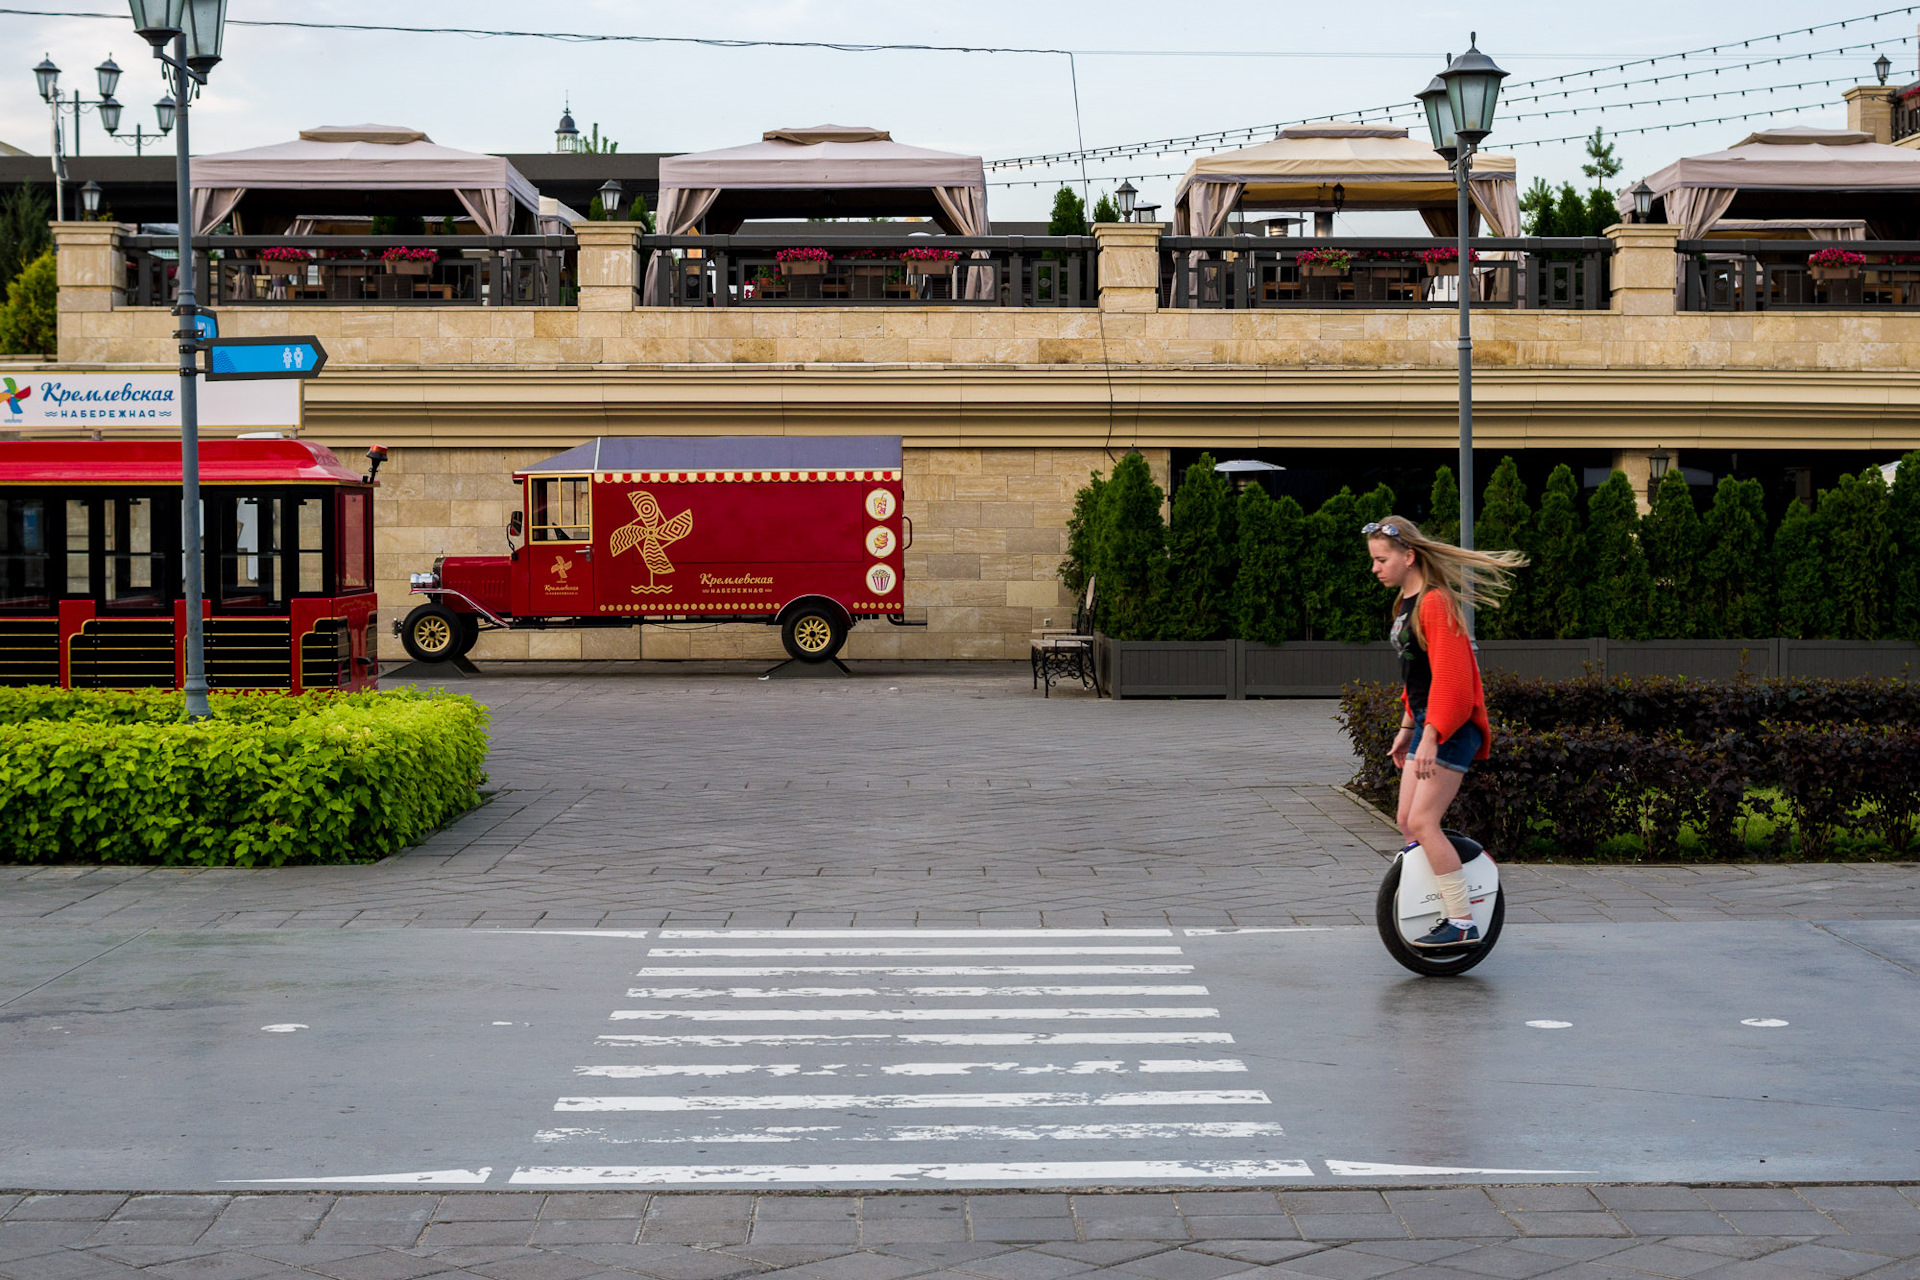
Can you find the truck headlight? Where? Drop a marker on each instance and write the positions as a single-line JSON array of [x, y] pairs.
[[419, 580]]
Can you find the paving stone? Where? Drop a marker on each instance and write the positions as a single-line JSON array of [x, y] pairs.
[[1653, 1222], [584, 1231], [1661, 1198], [1028, 1264], [1347, 1264], [1545, 1199], [1180, 1264], [1350, 1226], [1568, 1224], [80, 1206], [221, 1266], [1258, 1252], [667, 1261], [1273, 1226], [206, 1208], [595, 1204]]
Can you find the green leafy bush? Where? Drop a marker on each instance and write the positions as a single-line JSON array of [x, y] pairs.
[[30, 320], [89, 776]]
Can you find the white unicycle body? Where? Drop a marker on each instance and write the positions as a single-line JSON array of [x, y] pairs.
[[1409, 906]]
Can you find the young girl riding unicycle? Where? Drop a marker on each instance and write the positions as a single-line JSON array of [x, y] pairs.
[[1443, 723]]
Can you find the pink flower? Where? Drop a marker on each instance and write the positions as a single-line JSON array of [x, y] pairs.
[[405, 253], [1836, 258]]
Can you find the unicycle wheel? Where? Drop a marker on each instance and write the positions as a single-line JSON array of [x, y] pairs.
[[1440, 963]]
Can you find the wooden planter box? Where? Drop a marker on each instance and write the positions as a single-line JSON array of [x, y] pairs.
[[1835, 273], [408, 268], [1443, 268], [1322, 269], [803, 268], [285, 268]]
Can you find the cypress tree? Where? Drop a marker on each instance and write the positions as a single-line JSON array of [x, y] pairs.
[[1343, 600], [1736, 564], [1267, 603], [1081, 529], [1618, 584], [1558, 583], [1800, 569], [1505, 523], [1670, 537], [1130, 551], [1855, 513], [1202, 561], [1443, 508], [1903, 525]]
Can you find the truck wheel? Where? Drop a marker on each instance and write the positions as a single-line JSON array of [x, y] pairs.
[[469, 634], [813, 633], [432, 633]]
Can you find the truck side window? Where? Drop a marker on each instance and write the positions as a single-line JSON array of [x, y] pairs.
[[560, 509], [355, 563], [24, 554]]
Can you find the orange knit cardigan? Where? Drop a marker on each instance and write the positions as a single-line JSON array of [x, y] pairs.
[[1456, 697]]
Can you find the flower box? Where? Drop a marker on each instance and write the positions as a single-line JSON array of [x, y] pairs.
[[285, 268], [801, 267], [402, 267], [1322, 269], [1835, 273], [1443, 268]]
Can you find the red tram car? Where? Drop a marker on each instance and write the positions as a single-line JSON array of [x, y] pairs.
[[91, 566]]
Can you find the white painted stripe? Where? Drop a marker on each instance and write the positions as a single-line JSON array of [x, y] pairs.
[[751, 953], [429, 1177], [1076, 1171], [949, 993], [963, 1039], [1089, 1067], [913, 1101], [1364, 1169], [908, 1015], [761, 1134], [913, 970], [578, 933], [936, 1133], [1287, 928], [916, 933]]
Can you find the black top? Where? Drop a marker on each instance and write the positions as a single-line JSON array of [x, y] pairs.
[[1415, 671]]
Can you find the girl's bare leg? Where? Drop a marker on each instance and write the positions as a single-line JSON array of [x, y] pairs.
[[1423, 803]]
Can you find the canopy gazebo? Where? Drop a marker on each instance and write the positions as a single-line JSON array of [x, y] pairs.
[[1800, 173], [1376, 167], [358, 170]]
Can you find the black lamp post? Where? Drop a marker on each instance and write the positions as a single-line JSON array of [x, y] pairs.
[[1126, 195], [610, 194], [1883, 67], [1460, 105], [90, 199], [1642, 201], [47, 78], [194, 28]]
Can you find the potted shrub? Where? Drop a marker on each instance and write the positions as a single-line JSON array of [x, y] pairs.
[[1444, 259], [403, 260], [1836, 264], [283, 260], [803, 262], [1324, 262]]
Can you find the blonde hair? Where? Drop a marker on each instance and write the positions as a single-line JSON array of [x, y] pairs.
[[1462, 577]]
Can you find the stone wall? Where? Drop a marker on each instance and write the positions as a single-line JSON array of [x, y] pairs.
[[989, 531]]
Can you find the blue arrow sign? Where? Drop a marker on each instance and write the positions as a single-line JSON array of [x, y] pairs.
[[206, 325], [232, 359]]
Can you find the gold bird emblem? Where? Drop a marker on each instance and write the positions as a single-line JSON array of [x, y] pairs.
[[651, 533]]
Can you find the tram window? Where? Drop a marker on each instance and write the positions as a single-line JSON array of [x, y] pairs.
[[79, 542], [312, 550], [249, 551], [23, 554], [134, 567], [561, 509], [356, 541]]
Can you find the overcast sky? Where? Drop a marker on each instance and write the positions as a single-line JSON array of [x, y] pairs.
[[505, 94]]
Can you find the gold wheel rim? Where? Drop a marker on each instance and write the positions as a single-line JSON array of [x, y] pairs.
[[812, 634], [432, 634]]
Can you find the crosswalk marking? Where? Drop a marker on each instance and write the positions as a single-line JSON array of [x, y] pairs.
[[1089, 1067], [1069, 1171], [957, 1040], [940, 993], [913, 1101], [912, 970], [906, 1015], [916, 933], [765, 953], [795, 1133]]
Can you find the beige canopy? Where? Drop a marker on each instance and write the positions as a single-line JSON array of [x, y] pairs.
[[1377, 167], [351, 168], [1801, 173]]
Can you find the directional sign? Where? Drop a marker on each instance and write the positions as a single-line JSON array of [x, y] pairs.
[[206, 325], [230, 359]]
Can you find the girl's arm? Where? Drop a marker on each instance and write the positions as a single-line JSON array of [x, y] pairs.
[[1450, 703]]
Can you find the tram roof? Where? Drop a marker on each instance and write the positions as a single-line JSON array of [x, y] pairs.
[[157, 462], [724, 453]]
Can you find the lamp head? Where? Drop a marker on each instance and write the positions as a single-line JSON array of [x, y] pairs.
[[610, 194], [1882, 67], [158, 21], [90, 197], [206, 28], [110, 114], [1642, 201], [1473, 90], [163, 112], [1439, 117], [1339, 197], [109, 76], [48, 77], [1126, 195]]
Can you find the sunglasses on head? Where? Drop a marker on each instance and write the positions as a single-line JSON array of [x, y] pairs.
[[1385, 530]]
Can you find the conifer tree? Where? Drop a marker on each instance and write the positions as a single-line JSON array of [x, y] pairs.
[[1670, 537], [1558, 578], [1855, 514], [1267, 601], [1130, 551], [1443, 508], [1202, 561], [1736, 564], [1618, 584], [1081, 529], [1800, 570], [1343, 599], [1505, 523], [1069, 217], [1903, 525]]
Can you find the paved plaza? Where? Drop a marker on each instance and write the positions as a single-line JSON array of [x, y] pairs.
[[920, 974]]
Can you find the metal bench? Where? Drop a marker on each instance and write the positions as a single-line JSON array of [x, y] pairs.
[[1058, 654]]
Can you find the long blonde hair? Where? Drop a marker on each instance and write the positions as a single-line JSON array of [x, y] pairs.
[[1462, 577]]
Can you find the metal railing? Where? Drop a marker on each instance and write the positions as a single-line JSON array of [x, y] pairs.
[[1906, 120], [985, 271], [1248, 272], [1774, 275], [473, 271]]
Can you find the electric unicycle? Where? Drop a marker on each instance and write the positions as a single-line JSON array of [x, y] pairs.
[[1409, 905]]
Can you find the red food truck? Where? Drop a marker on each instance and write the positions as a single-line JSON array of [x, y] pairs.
[[91, 565], [801, 532]]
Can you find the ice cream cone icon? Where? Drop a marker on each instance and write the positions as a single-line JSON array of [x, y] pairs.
[[651, 534]]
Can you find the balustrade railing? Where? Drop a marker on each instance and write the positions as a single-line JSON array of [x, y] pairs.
[[896, 271], [1906, 120], [494, 271], [1249, 272], [1775, 275]]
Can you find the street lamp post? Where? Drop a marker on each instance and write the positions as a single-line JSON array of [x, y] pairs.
[[194, 29], [47, 77], [1460, 105], [1126, 195]]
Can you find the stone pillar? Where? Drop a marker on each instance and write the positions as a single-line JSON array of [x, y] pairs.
[[1870, 110], [609, 270], [1129, 265], [1645, 268], [1638, 464]]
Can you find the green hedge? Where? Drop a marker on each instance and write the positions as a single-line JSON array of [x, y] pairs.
[[1676, 769], [90, 776]]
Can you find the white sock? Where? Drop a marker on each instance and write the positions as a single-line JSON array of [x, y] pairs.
[[1453, 894]]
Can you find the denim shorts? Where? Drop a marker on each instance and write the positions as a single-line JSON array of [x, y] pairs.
[[1457, 752]]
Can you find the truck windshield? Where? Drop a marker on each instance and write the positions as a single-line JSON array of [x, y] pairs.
[[560, 509]]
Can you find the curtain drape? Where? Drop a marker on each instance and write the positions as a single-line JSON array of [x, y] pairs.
[[1206, 209], [1498, 201], [1697, 208], [966, 208], [212, 205], [490, 207], [681, 209]]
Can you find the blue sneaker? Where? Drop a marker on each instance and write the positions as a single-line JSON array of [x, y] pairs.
[[1449, 934]]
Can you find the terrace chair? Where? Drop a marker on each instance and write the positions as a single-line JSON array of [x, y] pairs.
[[1057, 654]]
